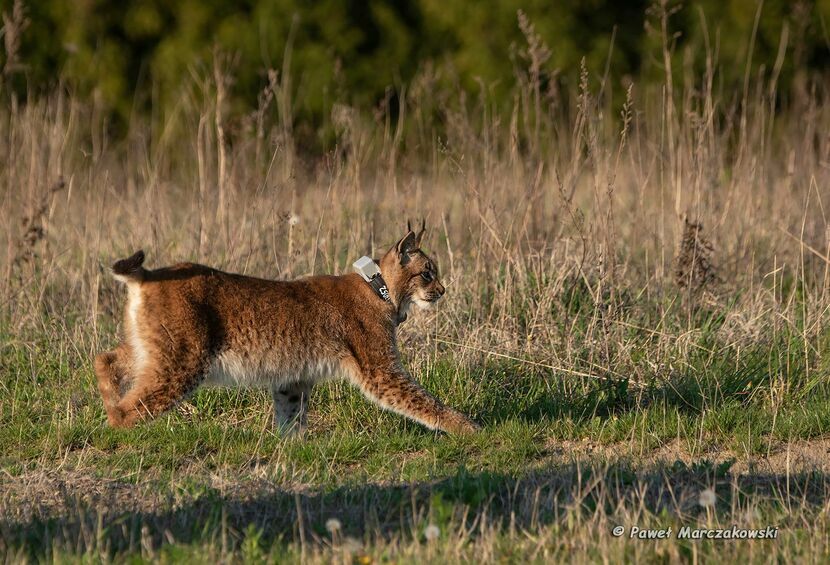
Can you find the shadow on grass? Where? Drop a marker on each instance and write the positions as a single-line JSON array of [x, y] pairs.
[[121, 518]]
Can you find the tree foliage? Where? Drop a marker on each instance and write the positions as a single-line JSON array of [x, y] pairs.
[[130, 54]]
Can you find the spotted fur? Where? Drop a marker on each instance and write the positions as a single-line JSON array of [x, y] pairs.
[[189, 325]]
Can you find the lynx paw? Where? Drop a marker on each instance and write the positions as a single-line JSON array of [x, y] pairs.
[[458, 424]]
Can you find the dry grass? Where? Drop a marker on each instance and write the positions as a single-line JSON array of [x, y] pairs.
[[557, 225]]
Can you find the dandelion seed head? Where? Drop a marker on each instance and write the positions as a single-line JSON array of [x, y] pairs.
[[707, 498], [333, 525]]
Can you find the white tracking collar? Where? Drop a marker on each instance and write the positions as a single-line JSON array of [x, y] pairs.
[[369, 270]]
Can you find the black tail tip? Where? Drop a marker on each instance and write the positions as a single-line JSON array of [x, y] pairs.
[[129, 265]]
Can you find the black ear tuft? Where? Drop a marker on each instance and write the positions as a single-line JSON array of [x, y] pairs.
[[420, 235]]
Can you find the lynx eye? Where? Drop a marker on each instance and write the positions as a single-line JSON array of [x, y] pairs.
[[427, 276]]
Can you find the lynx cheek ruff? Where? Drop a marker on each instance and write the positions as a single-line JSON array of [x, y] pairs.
[[370, 272]]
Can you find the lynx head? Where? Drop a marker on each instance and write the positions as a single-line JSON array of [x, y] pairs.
[[412, 276]]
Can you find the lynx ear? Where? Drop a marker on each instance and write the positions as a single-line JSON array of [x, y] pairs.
[[420, 235], [405, 246]]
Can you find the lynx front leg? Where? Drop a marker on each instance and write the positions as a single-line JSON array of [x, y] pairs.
[[291, 407], [392, 388]]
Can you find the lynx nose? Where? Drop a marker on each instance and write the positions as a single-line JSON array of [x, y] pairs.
[[440, 289]]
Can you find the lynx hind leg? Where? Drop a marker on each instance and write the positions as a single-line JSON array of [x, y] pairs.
[[390, 386], [159, 386], [110, 373], [291, 407]]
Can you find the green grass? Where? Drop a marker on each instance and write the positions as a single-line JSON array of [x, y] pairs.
[[51, 412], [581, 445]]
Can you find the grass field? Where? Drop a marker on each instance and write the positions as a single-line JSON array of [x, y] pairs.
[[638, 312]]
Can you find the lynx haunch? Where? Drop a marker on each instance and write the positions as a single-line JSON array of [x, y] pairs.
[[189, 325]]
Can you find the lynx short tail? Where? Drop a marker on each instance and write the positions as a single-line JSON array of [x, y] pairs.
[[130, 269]]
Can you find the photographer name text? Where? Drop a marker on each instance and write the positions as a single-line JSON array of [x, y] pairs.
[[688, 532]]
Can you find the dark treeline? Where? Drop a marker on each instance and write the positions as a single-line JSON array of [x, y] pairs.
[[135, 55]]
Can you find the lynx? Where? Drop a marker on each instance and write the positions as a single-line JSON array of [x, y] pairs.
[[190, 325]]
